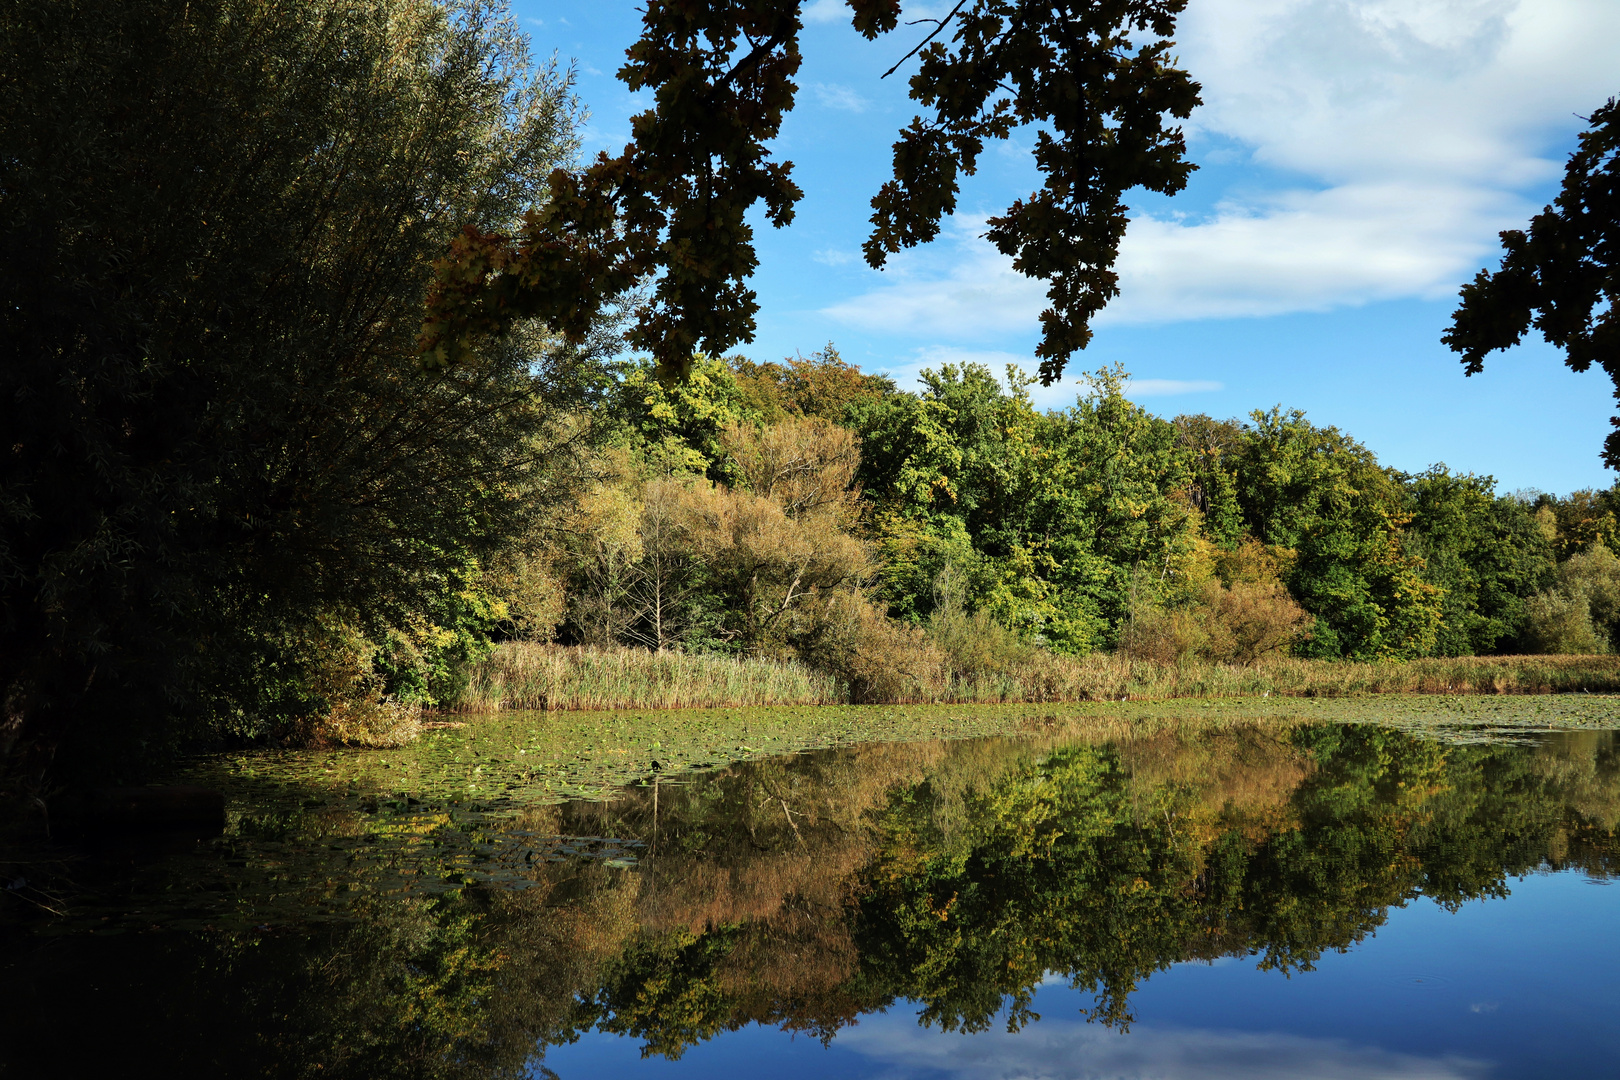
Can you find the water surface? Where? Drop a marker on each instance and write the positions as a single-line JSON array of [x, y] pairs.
[[1237, 893]]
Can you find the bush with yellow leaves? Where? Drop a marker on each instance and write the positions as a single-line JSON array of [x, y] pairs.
[[1234, 610]]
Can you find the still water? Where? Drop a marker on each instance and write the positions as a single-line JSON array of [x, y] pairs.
[[1266, 898]]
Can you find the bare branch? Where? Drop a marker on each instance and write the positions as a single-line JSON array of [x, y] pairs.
[[948, 17]]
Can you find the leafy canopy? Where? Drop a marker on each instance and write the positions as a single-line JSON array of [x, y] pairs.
[[1096, 78], [1562, 276]]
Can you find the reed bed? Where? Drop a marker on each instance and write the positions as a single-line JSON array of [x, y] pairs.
[[524, 675], [1114, 677], [521, 675]]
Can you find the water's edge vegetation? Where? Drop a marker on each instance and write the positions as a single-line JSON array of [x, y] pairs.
[[523, 758], [522, 675]]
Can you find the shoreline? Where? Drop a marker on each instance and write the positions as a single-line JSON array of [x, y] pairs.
[[527, 677]]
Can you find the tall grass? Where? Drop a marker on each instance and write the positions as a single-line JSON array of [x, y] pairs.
[[522, 675], [1112, 677]]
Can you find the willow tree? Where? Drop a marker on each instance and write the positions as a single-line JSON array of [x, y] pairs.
[[217, 223], [1094, 79]]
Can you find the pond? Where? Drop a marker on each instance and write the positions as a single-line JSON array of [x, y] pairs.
[[1394, 888]]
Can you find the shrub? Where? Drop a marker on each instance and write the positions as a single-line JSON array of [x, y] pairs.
[[1580, 612], [1561, 624], [1251, 620], [1163, 636], [877, 658], [344, 699], [1241, 617], [975, 646]]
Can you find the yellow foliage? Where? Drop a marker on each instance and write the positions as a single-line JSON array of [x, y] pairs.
[[1234, 609], [356, 712]]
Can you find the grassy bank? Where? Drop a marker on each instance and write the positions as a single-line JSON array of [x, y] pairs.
[[527, 676], [1108, 677], [521, 675]]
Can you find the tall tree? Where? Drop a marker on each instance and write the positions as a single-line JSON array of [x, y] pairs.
[[1485, 551], [216, 227], [1321, 494], [1059, 521], [1094, 78], [1562, 276]]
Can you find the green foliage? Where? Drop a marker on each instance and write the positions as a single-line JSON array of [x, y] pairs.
[[1579, 520], [429, 662], [1323, 495], [220, 437], [976, 647], [1580, 611], [1485, 552], [1109, 510], [1056, 521], [676, 423], [1213, 448], [821, 385], [1563, 275]]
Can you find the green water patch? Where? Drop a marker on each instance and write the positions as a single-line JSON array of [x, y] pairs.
[[469, 806], [510, 760]]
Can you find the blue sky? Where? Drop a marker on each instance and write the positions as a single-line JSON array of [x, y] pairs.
[[1357, 159]]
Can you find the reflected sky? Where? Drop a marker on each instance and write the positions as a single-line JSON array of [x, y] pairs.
[[1527, 986]]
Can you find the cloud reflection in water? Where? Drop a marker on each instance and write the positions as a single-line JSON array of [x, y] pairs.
[[1068, 1050]]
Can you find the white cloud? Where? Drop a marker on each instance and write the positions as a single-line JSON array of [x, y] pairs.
[[960, 290], [826, 11], [1140, 388], [834, 257], [1397, 138], [1345, 90], [1308, 251], [833, 96], [1065, 1050]]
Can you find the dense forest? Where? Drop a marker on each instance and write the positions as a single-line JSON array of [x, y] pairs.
[[256, 486], [808, 509]]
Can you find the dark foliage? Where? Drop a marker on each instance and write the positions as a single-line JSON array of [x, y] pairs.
[[1096, 79], [1562, 276], [216, 221]]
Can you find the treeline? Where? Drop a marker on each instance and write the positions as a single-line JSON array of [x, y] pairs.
[[805, 509]]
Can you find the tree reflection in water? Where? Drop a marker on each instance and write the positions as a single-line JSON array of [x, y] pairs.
[[802, 892]]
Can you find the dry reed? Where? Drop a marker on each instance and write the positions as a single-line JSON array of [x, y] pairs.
[[1114, 677], [528, 676], [523, 675]]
